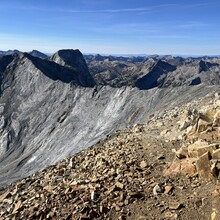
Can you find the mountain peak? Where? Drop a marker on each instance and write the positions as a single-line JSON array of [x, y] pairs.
[[39, 54], [74, 61], [69, 57]]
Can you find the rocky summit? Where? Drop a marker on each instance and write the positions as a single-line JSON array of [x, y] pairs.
[[109, 137]]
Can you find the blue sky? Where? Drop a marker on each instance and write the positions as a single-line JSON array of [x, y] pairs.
[[112, 26]]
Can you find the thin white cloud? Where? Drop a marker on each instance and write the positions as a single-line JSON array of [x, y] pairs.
[[111, 11], [128, 10], [196, 5], [121, 10], [192, 24]]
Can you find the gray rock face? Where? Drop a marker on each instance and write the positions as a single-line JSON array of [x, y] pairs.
[[74, 61], [49, 111]]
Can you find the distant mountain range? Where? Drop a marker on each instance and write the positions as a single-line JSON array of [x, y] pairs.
[[39, 54], [34, 53], [154, 71]]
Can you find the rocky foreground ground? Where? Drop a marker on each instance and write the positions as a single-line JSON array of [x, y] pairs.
[[167, 168]]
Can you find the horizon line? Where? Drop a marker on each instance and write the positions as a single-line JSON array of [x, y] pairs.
[[121, 54]]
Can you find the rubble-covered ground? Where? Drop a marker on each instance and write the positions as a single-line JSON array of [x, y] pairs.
[[165, 169]]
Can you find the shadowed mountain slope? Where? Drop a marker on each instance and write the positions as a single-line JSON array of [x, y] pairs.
[[156, 76]]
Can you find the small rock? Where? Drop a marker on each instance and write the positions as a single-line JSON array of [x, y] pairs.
[[117, 208], [158, 189], [175, 205], [17, 206], [71, 163], [164, 132], [138, 129], [203, 166], [168, 188], [119, 185], [93, 195], [143, 165], [126, 202], [5, 195], [170, 215], [189, 129], [159, 124], [217, 95]]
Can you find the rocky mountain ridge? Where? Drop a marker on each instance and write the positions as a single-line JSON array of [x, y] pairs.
[[57, 109], [34, 53], [133, 174]]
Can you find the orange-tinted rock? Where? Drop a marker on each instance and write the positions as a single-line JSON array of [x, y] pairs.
[[200, 147], [203, 166], [173, 169], [168, 188], [5, 195], [185, 166]]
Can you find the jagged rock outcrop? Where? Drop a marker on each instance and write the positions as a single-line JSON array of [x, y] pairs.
[[71, 59], [74, 60], [201, 129]]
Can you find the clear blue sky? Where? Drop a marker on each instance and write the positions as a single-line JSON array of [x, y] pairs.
[[112, 26]]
